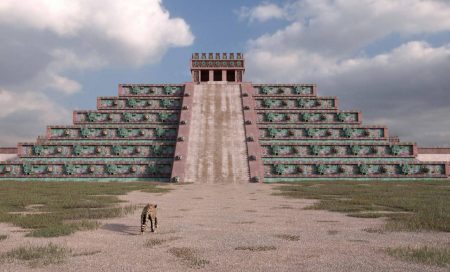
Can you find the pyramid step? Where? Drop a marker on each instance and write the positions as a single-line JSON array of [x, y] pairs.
[[352, 149], [307, 117], [138, 102], [339, 160], [116, 132], [103, 142], [100, 150], [43, 169], [168, 90], [131, 116], [104, 160], [285, 89], [293, 103], [326, 141], [372, 169], [322, 132]]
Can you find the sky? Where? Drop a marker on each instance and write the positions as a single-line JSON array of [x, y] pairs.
[[389, 59]]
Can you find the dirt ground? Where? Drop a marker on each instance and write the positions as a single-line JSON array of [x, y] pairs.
[[229, 227]]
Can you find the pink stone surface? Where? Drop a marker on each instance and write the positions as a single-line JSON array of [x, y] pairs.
[[181, 148], [217, 152]]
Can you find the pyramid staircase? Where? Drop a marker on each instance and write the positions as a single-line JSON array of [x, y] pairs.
[[130, 136], [294, 135]]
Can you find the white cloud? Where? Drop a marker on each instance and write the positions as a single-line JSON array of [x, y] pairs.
[[64, 84], [325, 43], [45, 41], [338, 28], [261, 13], [141, 30], [26, 114]]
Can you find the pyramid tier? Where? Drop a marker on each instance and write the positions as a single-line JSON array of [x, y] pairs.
[[112, 132], [130, 116], [309, 137], [337, 150], [294, 102], [168, 90], [139, 102], [325, 132], [285, 89], [353, 169], [309, 117], [93, 169], [97, 150]]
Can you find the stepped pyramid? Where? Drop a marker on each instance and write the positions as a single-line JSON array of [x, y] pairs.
[[218, 128]]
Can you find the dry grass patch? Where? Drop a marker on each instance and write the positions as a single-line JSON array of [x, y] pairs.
[[166, 231], [86, 253], [332, 232], [288, 237], [256, 248], [154, 242], [62, 208], [407, 205], [244, 222], [282, 207], [439, 256], [374, 230], [158, 241], [189, 257], [35, 256], [358, 241], [65, 229]]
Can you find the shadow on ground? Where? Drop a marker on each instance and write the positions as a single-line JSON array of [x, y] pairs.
[[122, 228]]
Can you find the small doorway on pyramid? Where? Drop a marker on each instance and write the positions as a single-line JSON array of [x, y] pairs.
[[204, 75], [217, 75], [231, 76]]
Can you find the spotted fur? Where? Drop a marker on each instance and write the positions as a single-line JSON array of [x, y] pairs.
[[149, 213]]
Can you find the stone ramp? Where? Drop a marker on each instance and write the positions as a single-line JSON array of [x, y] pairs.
[[217, 151]]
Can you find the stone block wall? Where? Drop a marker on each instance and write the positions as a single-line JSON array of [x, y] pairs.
[[131, 136], [300, 136]]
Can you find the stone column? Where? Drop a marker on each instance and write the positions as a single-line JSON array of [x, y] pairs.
[[211, 75], [235, 76], [224, 75], [196, 76], [238, 76]]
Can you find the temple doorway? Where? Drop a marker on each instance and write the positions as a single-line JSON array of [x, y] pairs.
[[204, 76], [231, 75], [217, 75]]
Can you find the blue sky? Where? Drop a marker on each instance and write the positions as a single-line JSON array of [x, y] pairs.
[[390, 59]]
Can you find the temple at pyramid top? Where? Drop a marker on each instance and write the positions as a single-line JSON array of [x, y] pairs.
[[226, 67]]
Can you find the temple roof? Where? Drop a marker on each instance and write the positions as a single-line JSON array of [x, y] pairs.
[[217, 60]]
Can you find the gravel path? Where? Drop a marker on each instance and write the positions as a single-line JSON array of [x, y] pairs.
[[217, 152], [230, 227]]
